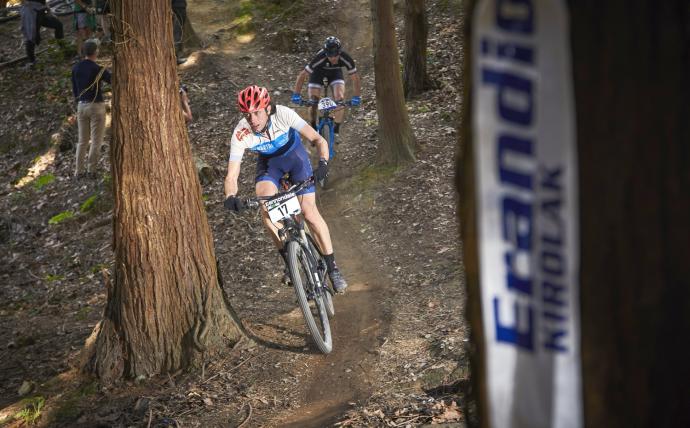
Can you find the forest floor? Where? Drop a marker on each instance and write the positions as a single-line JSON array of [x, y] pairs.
[[400, 338]]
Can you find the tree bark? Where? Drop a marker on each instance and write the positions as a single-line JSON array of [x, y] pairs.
[[415, 78], [165, 306], [631, 90], [396, 140]]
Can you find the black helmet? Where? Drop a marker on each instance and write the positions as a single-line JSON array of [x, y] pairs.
[[332, 46]]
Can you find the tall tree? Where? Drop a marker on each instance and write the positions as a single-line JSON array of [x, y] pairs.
[[165, 304], [634, 175], [415, 78], [396, 140]]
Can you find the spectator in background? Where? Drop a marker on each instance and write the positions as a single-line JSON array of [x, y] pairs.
[[179, 8], [103, 14], [87, 79], [84, 21], [35, 14]]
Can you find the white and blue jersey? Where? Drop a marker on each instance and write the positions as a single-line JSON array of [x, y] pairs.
[[282, 135]]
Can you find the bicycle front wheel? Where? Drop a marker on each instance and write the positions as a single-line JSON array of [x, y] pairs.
[[302, 271]]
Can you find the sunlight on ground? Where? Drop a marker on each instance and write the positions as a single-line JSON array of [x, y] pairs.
[[246, 38], [41, 163], [47, 159], [11, 412]]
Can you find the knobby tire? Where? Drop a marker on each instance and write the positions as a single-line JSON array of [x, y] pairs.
[[300, 266]]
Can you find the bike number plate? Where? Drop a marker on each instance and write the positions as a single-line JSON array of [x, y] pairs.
[[326, 104], [283, 207]]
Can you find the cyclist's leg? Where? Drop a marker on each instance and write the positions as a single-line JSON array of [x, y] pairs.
[[268, 174], [314, 92], [300, 170], [338, 88]]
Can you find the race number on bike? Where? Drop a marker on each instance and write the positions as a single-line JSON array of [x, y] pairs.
[[282, 207], [326, 104]]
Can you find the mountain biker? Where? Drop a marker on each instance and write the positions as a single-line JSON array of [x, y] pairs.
[[273, 132], [328, 63]]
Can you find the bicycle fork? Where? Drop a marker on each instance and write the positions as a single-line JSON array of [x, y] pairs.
[[315, 269]]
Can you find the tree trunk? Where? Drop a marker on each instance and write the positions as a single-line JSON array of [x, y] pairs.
[[165, 304], [415, 79], [396, 140], [467, 212], [631, 90]]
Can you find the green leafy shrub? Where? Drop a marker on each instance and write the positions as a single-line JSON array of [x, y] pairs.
[[88, 204], [65, 215], [43, 181], [32, 410]]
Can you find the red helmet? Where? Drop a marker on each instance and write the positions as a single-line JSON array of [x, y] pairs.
[[253, 98]]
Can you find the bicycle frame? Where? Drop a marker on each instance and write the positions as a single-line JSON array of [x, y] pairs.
[[324, 120], [293, 229]]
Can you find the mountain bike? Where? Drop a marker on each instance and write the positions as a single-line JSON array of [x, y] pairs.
[[327, 106], [306, 264]]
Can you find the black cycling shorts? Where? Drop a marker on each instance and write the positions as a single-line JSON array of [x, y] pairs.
[[332, 75]]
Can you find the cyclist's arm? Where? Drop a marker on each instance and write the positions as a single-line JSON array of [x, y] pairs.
[[231, 178], [357, 83], [300, 81], [321, 144]]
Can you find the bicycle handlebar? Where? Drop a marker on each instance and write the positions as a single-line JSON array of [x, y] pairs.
[[344, 103], [255, 201]]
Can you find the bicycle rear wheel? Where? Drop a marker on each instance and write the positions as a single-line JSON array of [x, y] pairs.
[[301, 273]]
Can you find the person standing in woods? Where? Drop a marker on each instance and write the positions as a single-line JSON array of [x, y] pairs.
[[87, 78]]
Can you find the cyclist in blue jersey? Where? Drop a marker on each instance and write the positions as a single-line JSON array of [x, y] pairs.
[[273, 132], [328, 63]]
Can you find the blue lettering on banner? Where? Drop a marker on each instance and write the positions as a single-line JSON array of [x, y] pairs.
[[530, 193]]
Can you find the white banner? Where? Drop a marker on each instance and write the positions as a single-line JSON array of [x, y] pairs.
[[525, 152]]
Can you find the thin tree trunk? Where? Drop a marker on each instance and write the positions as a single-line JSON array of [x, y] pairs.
[[165, 304], [467, 211], [415, 78], [396, 140]]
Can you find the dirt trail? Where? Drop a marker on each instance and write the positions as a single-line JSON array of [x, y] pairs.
[[360, 323], [361, 320]]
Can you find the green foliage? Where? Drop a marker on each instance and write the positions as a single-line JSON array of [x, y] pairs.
[[54, 277], [32, 410], [65, 215], [88, 204], [83, 313], [43, 181], [99, 267]]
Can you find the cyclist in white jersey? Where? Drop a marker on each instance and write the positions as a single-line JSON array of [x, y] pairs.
[[273, 132]]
